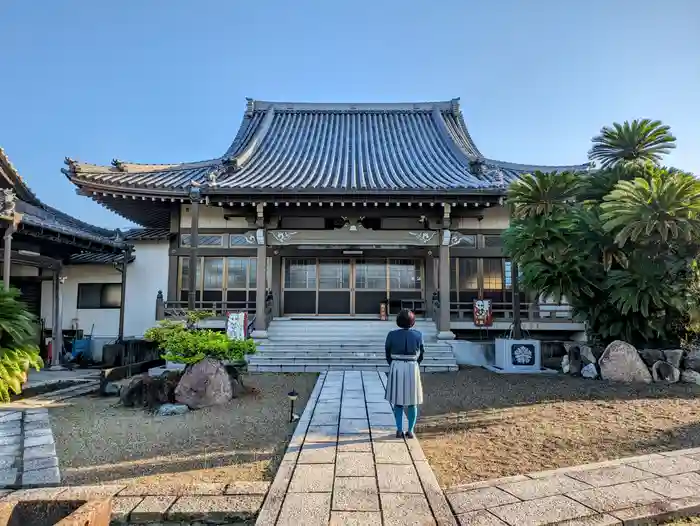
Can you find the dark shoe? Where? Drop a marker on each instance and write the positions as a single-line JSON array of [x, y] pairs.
[[399, 434], [409, 435]]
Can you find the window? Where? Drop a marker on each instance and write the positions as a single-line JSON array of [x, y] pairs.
[[237, 240], [99, 295], [493, 274], [205, 240], [299, 273], [404, 274], [493, 241]]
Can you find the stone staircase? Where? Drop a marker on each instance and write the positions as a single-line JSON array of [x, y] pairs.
[[317, 345]]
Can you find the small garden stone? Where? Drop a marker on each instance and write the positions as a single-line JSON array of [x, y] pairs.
[[172, 409], [689, 376], [674, 357], [112, 389], [589, 371], [651, 356], [692, 360], [665, 372]]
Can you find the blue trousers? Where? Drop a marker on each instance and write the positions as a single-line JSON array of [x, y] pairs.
[[411, 414]]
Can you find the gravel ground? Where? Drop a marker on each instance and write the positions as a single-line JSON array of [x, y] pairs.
[[98, 441], [477, 425], [681, 522]]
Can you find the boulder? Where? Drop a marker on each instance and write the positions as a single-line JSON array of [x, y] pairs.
[[172, 409], [132, 393], [589, 371], [161, 389], [575, 360], [665, 372], [587, 356], [204, 384], [620, 362], [674, 357], [692, 359], [112, 389], [651, 356], [689, 376], [565, 365]]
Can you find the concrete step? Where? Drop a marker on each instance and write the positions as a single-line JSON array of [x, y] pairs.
[[319, 368], [344, 359], [338, 345]]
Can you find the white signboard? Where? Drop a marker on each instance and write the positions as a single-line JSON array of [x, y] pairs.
[[236, 325]]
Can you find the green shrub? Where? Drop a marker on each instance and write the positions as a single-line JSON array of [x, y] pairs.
[[183, 345], [18, 349]]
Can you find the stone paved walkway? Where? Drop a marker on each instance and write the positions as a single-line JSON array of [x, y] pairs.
[[344, 465]]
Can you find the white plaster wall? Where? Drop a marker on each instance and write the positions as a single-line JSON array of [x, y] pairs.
[[145, 277], [211, 217], [494, 218], [23, 271]]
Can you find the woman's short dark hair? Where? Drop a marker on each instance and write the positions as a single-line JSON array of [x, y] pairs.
[[406, 319]]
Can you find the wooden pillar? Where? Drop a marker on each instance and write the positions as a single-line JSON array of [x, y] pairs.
[[444, 332], [57, 315], [7, 255], [126, 255], [261, 290], [517, 329], [195, 197]]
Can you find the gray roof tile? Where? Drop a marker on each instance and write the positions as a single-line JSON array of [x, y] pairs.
[[329, 147]]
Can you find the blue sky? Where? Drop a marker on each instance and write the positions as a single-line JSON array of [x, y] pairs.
[[166, 80]]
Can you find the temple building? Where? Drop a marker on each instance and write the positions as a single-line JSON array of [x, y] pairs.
[[333, 211]]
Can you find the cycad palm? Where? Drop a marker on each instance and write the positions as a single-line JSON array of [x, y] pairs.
[[640, 140], [542, 193], [663, 206]]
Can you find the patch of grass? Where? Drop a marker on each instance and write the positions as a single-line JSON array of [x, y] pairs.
[[476, 425], [98, 441]]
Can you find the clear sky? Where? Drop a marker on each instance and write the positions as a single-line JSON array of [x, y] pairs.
[[166, 80]]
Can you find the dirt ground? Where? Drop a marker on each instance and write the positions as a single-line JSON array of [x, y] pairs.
[[98, 441], [476, 425]]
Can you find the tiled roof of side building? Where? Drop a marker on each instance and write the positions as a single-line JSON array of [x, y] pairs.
[[317, 147]]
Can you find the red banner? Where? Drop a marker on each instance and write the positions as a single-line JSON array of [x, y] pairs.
[[483, 313]]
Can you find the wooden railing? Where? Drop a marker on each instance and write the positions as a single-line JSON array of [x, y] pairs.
[[503, 311], [178, 309]]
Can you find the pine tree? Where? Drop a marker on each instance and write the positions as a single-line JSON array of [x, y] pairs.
[[18, 349]]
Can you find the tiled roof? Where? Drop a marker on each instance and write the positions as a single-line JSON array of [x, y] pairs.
[[92, 258], [297, 147], [146, 234]]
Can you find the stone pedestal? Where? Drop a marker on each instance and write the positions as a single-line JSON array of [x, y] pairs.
[[259, 335], [446, 335]]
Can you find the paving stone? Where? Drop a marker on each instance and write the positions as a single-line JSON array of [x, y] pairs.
[[415, 450], [355, 464], [305, 509], [609, 476], [355, 494], [10, 450], [291, 453], [382, 420], [40, 463], [616, 497], [379, 408], [91, 492], [666, 466], [549, 510], [14, 440], [675, 488], [479, 518], [36, 411], [10, 416], [353, 413], [317, 453], [9, 431], [356, 518], [312, 478], [436, 497], [544, 487], [327, 408], [384, 434], [8, 477], [353, 427], [360, 443], [122, 508], [354, 402], [40, 477], [479, 499], [403, 509], [275, 497], [325, 419], [37, 417], [321, 434], [8, 462], [47, 450], [483, 483], [391, 453], [243, 487], [173, 489], [152, 508], [592, 520], [38, 440], [32, 426], [35, 494], [394, 478], [215, 508], [659, 512], [38, 432]]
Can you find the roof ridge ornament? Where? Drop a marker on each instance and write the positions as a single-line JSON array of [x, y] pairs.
[[249, 106], [71, 163], [454, 107], [119, 165]]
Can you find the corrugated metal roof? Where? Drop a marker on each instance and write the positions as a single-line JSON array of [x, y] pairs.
[[329, 147]]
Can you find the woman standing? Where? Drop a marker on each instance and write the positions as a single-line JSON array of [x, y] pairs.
[[404, 352]]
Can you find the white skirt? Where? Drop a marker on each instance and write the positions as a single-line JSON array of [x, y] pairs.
[[403, 385]]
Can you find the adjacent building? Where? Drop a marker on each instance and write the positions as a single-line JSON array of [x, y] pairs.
[[328, 210]]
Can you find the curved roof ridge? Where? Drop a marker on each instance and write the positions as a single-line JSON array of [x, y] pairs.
[[535, 167]]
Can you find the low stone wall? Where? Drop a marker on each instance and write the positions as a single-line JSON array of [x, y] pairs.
[[205, 503]]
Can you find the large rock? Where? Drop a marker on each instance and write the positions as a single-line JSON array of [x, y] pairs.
[[204, 384], [674, 357], [132, 393], [690, 377], [161, 389], [575, 360], [620, 362], [692, 359], [651, 356], [665, 372]]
